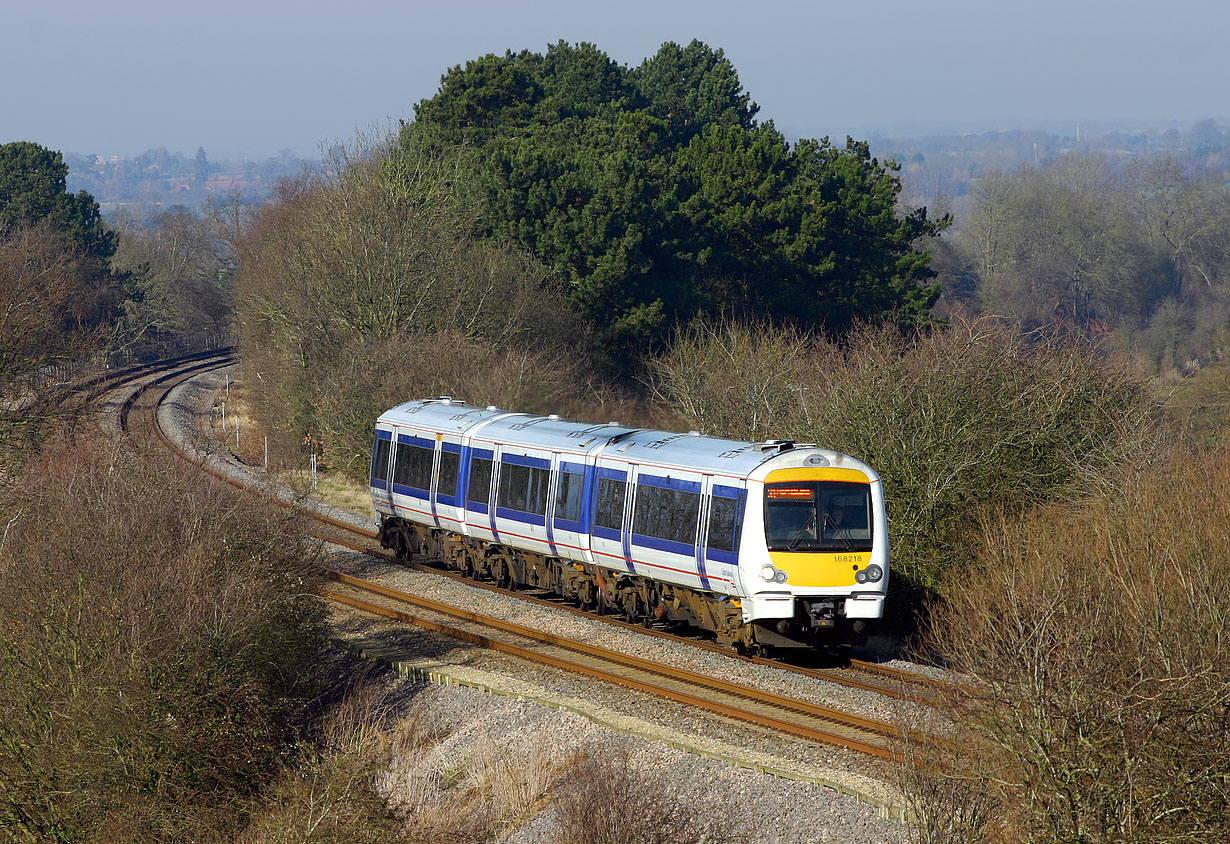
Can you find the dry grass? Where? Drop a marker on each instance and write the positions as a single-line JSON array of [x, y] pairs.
[[332, 488], [468, 783]]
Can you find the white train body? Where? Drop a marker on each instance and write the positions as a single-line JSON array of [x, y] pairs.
[[789, 541]]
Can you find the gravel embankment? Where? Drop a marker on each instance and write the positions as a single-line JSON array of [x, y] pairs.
[[764, 808]]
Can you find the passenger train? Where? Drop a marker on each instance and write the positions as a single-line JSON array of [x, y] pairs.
[[767, 545]]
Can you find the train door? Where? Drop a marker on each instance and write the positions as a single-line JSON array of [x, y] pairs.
[[381, 485], [722, 521], [477, 489], [609, 509], [570, 509], [446, 496]]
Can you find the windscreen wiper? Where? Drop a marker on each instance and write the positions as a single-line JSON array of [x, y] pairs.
[[838, 533], [798, 537]]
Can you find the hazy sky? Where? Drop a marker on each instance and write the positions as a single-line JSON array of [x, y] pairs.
[[254, 77]]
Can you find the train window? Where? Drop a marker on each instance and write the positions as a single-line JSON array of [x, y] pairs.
[[380, 459], [568, 497], [413, 467], [818, 516], [610, 511], [480, 480], [723, 514], [663, 513], [524, 488], [450, 466]]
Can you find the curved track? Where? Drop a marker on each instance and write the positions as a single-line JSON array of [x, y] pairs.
[[770, 711]]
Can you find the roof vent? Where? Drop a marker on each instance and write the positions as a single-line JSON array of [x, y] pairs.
[[492, 407], [616, 424], [774, 445], [554, 417], [693, 433]]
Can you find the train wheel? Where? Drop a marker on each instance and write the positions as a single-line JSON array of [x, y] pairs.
[[632, 608], [585, 596]]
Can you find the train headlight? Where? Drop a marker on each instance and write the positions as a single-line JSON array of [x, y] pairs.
[[768, 573], [860, 577], [780, 577], [874, 573]]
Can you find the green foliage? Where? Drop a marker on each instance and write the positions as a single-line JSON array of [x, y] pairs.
[[656, 194], [691, 88], [33, 188]]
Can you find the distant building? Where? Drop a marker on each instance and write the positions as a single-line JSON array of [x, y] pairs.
[[225, 182]]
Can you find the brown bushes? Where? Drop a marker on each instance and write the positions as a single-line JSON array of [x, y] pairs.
[[371, 377], [957, 421], [370, 275], [1096, 640], [608, 800], [158, 648]]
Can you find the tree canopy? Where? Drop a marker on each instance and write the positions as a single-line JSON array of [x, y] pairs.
[[33, 188], [655, 192]]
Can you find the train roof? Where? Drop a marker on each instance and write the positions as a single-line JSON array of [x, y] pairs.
[[690, 450]]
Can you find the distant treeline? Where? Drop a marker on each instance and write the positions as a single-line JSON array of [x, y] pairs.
[[948, 165], [155, 180]]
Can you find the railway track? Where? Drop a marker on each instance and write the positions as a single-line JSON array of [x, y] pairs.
[[774, 712], [859, 674], [765, 709]]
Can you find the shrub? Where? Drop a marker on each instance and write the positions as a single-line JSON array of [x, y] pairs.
[[957, 421], [1095, 641], [369, 274], [609, 800], [159, 647], [373, 376]]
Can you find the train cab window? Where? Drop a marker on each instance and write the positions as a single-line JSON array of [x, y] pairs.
[[524, 488], [665, 513], [380, 459], [413, 466], [818, 516], [723, 520], [610, 510], [569, 495], [450, 467], [480, 481]]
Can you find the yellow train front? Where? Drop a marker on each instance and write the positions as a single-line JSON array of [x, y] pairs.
[[814, 559]]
